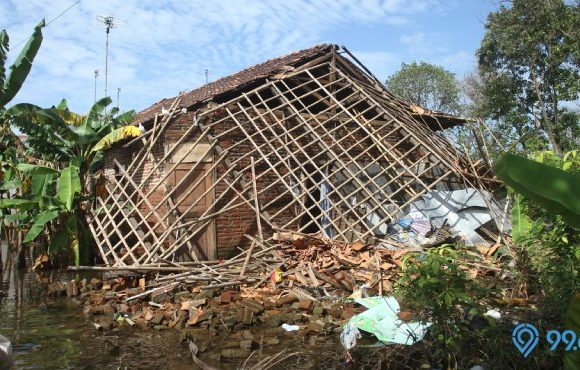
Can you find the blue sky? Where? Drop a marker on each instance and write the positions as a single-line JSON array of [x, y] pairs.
[[163, 47]]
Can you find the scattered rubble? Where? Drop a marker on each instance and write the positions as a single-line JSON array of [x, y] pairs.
[[302, 284]]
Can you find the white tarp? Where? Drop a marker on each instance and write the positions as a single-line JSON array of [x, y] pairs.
[[465, 210]]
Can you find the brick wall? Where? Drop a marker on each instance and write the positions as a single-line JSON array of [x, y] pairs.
[[230, 226]]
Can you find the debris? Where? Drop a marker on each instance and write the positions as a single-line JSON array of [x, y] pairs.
[[495, 314], [381, 319], [41, 263], [288, 298], [155, 304], [316, 274], [194, 350], [349, 336], [463, 210], [290, 327], [360, 292], [6, 356]]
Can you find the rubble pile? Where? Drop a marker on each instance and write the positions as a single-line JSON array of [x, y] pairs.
[[295, 282]]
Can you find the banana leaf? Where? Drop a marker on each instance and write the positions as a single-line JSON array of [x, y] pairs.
[[551, 188], [47, 202], [43, 125], [38, 225], [15, 218], [4, 39], [18, 203], [116, 136], [95, 117], [521, 222], [21, 67], [69, 183], [68, 117], [11, 184], [41, 183], [34, 169], [126, 118]]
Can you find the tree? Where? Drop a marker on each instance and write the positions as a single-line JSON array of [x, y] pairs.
[[428, 85], [58, 194], [10, 145], [529, 63]]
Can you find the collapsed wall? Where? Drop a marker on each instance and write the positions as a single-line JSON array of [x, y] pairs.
[[318, 147]]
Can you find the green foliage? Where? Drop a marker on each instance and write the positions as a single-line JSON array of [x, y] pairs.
[[521, 223], [69, 185], [56, 134], [548, 186], [54, 200], [9, 86], [529, 63], [428, 85], [21, 204], [34, 169], [38, 225], [572, 358], [437, 285], [41, 183], [53, 204], [542, 215]]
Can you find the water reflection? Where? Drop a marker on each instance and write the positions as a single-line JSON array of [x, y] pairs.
[[54, 334]]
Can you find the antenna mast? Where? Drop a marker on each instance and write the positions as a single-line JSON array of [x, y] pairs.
[[109, 23], [96, 75]]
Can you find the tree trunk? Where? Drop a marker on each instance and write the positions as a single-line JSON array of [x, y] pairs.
[[479, 143], [545, 121]]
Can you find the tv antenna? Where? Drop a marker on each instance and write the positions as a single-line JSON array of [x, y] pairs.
[[109, 23]]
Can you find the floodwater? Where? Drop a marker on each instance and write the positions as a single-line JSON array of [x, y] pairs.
[[53, 333]]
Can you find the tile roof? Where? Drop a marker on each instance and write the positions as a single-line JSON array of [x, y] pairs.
[[240, 79]]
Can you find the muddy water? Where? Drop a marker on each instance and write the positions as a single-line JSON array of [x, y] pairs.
[[53, 333]]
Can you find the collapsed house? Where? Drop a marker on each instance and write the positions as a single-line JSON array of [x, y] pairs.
[[309, 142]]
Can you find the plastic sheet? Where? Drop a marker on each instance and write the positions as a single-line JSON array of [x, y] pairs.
[[382, 320]]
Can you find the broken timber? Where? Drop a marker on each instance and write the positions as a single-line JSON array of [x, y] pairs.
[[308, 142]]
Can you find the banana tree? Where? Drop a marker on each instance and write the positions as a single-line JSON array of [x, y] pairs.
[[10, 145], [73, 145], [59, 135], [54, 196], [545, 223]]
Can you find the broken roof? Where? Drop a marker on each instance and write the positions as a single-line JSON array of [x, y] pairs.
[[253, 76], [241, 79]]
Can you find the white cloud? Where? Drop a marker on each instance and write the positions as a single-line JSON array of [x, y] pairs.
[[413, 38], [162, 47], [381, 64], [459, 62]]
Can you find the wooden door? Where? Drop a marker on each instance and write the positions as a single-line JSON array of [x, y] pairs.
[[203, 243]]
